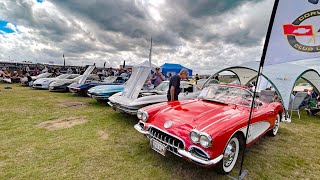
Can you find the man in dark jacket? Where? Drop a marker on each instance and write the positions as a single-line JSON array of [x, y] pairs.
[[174, 85]]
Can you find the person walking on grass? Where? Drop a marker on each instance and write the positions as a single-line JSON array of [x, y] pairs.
[[174, 85]]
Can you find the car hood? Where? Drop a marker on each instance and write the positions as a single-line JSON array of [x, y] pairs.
[[153, 98], [102, 89], [60, 82], [197, 114], [44, 80]]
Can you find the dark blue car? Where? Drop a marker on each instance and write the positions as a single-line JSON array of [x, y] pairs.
[[82, 89]]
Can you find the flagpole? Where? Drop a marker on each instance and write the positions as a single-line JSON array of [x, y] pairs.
[[243, 173], [150, 53]]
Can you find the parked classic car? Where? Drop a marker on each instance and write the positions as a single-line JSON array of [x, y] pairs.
[[82, 89], [61, 85], [24, 80], [209, 130], [148, 97], [102, 93], [43, 83]]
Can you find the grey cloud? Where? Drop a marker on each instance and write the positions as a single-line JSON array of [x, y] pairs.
[[116, 30]]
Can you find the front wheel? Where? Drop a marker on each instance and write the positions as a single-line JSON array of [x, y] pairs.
[[230, 156], [274, 130]]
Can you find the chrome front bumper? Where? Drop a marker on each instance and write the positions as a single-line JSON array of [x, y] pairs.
[[100, 97], [185, 153], [123, 109]]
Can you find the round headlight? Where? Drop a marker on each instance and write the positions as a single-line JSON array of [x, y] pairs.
[[205, 141], [194, 136], [145, 116], [139, 114]]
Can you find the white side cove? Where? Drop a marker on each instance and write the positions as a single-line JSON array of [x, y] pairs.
[[140, 74], [86, 74], [255, 130]]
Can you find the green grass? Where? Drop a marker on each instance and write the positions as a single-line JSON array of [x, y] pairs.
[[29, 152]]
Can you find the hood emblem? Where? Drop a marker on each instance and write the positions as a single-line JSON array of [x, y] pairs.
[[167, 124]]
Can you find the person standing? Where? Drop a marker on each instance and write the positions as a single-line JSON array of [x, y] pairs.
[[197, 78], [174, 85], [124, 75], [69, 71], [27, 69], [45, 70], [157, 77]]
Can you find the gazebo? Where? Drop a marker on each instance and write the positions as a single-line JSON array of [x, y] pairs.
[[173, 69], [282, 76]]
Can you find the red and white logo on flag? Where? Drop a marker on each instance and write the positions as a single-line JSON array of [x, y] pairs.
[[300, 30]]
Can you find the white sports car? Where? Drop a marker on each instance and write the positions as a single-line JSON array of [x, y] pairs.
[[24, 80], [148, 97], [43, 83]]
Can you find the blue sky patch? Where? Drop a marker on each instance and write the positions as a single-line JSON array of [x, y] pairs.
[[4, 29], [40, 1]]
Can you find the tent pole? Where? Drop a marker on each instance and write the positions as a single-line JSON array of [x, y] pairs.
[[243, 173]]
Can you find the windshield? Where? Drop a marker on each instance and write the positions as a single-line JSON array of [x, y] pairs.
[[63, 76], [164, 86], [77, 78], [227, 95], [44, 75], [73, 76], [110, 79]]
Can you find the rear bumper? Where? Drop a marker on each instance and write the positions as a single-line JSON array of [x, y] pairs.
[[186, 154]]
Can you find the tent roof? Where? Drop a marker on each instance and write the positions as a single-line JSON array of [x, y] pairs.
[[145, 64], [282, 76], [173, 66]]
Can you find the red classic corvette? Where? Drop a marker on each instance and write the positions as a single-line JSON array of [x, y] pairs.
[[209, 130]]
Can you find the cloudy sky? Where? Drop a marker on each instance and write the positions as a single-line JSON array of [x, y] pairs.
[[204, 35]]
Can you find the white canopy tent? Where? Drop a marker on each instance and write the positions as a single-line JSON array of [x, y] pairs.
[[282, 76]]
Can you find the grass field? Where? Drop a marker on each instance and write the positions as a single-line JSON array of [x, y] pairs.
[[105, 145]]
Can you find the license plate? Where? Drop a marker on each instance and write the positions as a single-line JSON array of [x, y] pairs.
[[158, 146]]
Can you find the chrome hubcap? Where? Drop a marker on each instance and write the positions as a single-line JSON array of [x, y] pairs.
[[229, 154], [276, 126]]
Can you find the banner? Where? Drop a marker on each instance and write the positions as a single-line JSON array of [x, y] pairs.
[[295, 33]]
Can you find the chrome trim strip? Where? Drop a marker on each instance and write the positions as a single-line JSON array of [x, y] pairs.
[[110, 104], [198, 160], [141, 130]]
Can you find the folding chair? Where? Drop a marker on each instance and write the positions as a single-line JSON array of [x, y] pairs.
[[298, 99]]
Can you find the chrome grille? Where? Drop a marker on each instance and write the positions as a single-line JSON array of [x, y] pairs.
[[173, 143]]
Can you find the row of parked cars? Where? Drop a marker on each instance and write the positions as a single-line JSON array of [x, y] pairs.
[[207, 126]]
